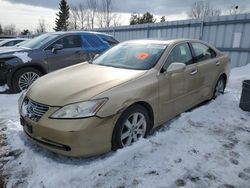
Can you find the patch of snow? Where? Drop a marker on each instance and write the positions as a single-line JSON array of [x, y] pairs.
[[206, 147], [24, 56], [4, 88]]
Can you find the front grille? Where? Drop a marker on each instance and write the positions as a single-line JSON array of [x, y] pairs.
[[33, 110]]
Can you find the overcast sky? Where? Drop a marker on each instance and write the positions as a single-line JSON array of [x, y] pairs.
[[26, 13]]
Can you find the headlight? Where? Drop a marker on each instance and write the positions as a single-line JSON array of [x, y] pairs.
[[79, 110], [20, 100]]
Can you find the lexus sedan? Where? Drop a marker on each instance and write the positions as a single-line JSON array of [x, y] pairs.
[[111, 102]]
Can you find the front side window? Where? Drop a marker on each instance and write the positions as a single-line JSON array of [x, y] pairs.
[[72, 41], [137, 56], [202, 52], [179, 54]]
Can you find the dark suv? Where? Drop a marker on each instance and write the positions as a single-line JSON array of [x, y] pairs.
[[22, 65]]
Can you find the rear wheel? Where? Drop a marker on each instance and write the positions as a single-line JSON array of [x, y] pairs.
[[133, 124], [23, 78], [220, 87]]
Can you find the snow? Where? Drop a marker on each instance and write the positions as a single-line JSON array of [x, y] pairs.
[[208, 146], [4, 88], [24, 56]]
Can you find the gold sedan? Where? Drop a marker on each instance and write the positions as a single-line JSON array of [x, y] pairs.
[[111, 102]]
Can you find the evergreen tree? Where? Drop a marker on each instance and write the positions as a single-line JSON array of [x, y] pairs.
[[63, 17], [134, 19], [163, 19], [25, 32], [145, 18]]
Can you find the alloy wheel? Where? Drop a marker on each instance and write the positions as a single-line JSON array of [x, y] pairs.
[[134, 127], [219, 90], [26, 79]]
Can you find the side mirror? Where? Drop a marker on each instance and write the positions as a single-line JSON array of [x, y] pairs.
[[57, 47], [176, 67]]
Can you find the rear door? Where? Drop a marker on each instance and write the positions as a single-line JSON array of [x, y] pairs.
[[72, 52], [178, 92], [208, 66]]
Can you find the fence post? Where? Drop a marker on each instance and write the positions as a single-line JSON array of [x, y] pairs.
[[114, 31], [148, 28]]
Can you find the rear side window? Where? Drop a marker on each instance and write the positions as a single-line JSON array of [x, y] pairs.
[[93, 43], [109, 39], [72, 41], [203, 52], [180, 54]]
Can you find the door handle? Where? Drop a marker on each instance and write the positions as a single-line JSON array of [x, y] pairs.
[[194, 72], [217, 63]]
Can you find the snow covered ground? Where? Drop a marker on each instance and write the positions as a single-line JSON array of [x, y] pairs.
[[206, 147]]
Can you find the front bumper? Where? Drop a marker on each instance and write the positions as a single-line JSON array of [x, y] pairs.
[[71, 137]]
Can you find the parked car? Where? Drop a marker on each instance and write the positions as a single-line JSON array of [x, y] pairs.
[[11, 42], [111, 102], [21, 65]]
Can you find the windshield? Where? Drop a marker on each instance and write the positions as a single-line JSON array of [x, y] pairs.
[[39, 41], [132, 56]]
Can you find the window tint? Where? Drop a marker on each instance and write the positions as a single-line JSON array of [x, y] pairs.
[[181, 54], [202, 52], [72, 41]]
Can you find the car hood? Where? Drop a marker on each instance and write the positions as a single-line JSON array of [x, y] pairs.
[[78, 83], [9, 51]]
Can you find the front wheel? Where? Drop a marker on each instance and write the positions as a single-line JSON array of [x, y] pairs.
[[219, 88], [24, 77], [132, 125]]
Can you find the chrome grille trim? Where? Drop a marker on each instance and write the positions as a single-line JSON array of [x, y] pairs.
[[34, 110]]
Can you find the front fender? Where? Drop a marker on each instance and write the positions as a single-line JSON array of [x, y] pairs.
[[143, 89]]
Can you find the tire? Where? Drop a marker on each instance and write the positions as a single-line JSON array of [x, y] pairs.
[[220, 87], [135, 131], [23, 78]]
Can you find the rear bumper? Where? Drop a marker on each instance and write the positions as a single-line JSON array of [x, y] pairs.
[[79, 137]]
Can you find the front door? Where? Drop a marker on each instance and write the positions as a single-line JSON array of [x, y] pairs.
[[178, 91], [71, 53]]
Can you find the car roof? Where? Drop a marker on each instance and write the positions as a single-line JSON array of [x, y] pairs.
[[14, 39], [162, 41], [79, 32]]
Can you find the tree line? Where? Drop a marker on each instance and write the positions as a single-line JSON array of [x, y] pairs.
[[100, 13], [86, 15]]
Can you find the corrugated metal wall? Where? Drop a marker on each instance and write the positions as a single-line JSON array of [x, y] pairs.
[[230, 34]]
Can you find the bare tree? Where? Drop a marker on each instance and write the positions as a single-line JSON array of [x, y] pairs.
[[116, 19], [92, 6], [202, 9], [105, 16], [78, 16], [10, 30], [41, 28], [73, 18], [82, 14], [107, 6]]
